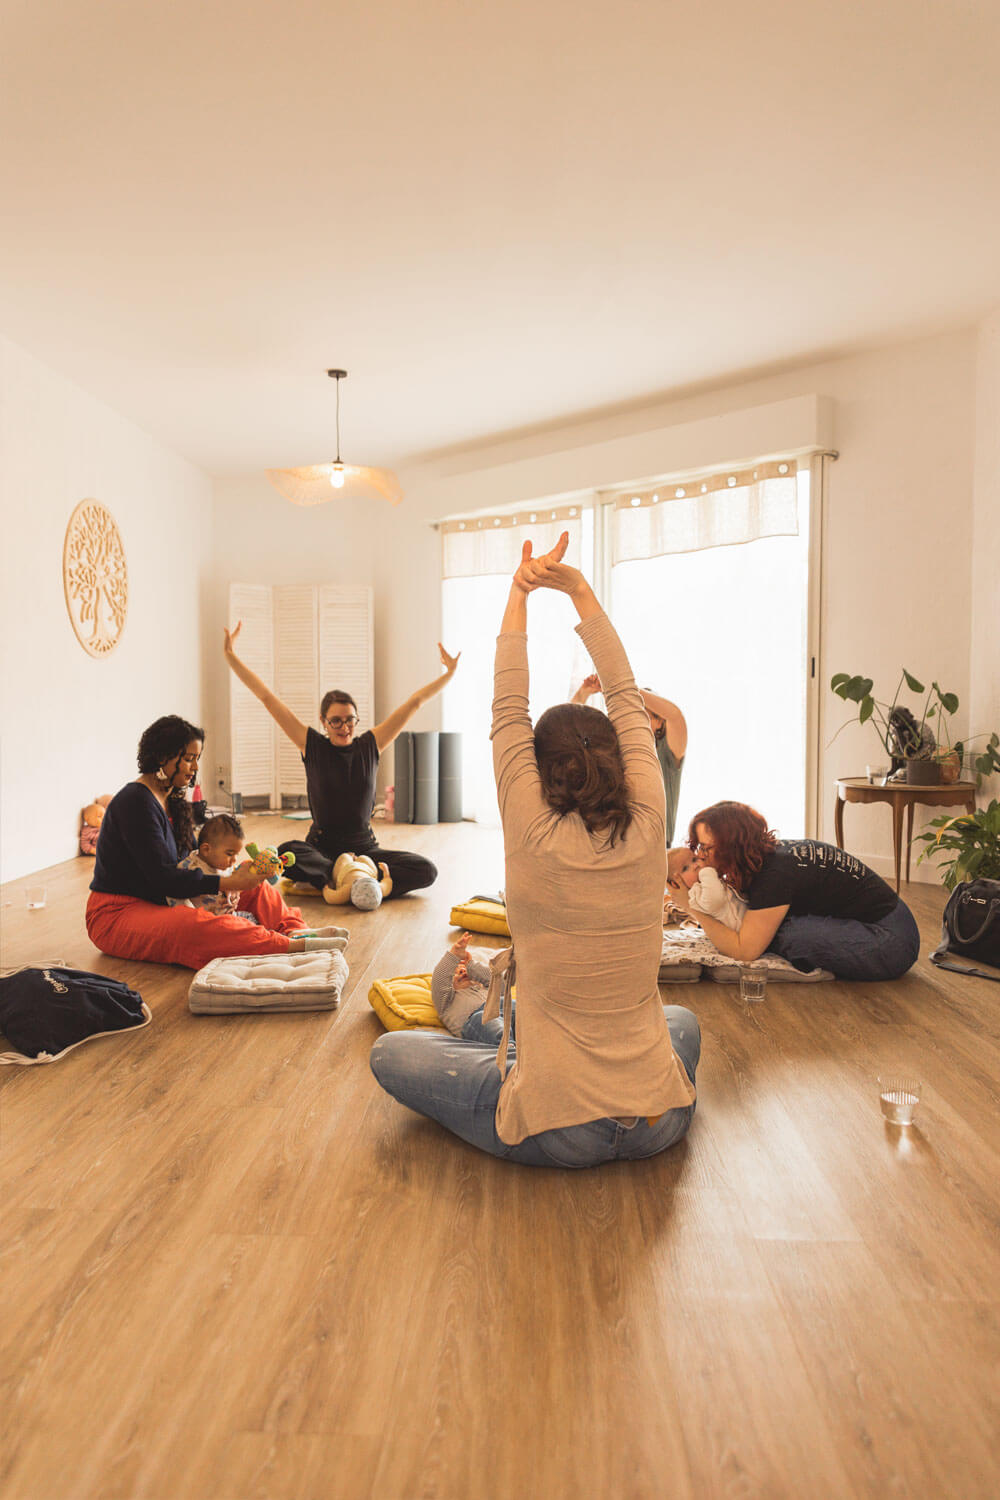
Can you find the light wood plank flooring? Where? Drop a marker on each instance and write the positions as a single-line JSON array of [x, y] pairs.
[[232, 1268]]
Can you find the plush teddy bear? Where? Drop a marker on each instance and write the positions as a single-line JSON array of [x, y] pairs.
[[355, 879], [92, 816], [270, 861]]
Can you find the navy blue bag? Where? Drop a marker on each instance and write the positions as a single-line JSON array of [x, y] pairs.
[[46, 1012]]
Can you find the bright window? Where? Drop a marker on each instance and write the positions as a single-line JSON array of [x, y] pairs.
[[723, 634]]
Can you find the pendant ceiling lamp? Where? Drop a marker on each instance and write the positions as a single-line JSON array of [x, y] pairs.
[[315, 483]]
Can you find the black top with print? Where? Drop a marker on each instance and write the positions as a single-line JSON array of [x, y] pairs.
[[819, 880]]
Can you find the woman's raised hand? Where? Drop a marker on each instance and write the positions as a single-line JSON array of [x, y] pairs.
[[448, 662], [229, 643]]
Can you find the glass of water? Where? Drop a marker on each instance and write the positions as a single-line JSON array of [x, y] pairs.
[[753, 982], [899, 1097], [34, 897]]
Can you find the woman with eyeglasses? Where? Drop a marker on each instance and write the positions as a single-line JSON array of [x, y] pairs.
[[597, 1069], [340, 778], [808, 902]]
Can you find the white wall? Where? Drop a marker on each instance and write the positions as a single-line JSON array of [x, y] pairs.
[[984, 693], [71, 722]]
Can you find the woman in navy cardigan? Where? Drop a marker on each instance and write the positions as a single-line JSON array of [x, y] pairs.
[[147, 828]]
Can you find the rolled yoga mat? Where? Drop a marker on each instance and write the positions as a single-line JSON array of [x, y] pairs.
[[450, 777], [425, 776], [404, 777]]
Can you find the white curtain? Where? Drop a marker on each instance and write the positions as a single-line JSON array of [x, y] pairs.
[[720, 509], [490, 546]]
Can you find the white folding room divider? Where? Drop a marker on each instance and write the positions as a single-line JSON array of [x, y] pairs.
[[303, 640]]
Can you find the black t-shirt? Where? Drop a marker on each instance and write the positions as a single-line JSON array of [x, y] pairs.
[[819, 880], [340, 780]]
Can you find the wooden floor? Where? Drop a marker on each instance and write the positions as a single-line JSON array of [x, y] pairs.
[[232, 1267]]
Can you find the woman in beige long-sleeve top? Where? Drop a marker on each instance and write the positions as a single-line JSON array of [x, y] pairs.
[[600, 1071]]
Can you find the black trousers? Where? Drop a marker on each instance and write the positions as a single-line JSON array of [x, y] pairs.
[[410, 872]]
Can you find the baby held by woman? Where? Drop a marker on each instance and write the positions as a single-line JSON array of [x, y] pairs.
[[220, 844], [218, 852], [708, 893]]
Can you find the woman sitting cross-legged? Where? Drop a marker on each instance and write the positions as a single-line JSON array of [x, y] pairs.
[[599, 1070], [811, 903], [340, 779], [148, 826]]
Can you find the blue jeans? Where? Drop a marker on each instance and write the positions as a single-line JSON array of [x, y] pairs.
[[850, 949], [458, 1083]]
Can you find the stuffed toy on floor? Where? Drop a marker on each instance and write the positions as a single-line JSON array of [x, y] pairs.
[[355, 880], [92, 817]]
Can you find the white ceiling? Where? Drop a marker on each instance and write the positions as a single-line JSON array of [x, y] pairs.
[[494, 215]]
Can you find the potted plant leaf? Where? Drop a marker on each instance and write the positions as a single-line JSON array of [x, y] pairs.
[[966, 847], [985, 762], [908, 741]]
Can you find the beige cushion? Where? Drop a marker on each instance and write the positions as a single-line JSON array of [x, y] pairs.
[[269, 982]]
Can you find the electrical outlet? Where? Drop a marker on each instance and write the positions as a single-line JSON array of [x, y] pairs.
[[222, 775]]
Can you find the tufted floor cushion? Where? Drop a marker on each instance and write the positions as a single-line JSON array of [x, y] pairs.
[[405, 1004], [273, 982]]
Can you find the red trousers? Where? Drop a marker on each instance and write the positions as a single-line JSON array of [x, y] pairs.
[[125, 927]]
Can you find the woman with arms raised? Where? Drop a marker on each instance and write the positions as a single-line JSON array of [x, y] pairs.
[[147, 828], [600, 1070], [340, 777], [811, 903]]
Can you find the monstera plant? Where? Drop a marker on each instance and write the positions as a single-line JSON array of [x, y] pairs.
[[906, 739], [909, 740]]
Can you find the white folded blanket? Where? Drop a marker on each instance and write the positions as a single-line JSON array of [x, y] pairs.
[[687, 947]]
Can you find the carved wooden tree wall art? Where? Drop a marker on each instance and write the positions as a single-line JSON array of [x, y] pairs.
[[95, 578]]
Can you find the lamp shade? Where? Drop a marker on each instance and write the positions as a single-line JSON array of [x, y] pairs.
[[311, 485]]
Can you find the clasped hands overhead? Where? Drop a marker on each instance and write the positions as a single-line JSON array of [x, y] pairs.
[[548, 571]]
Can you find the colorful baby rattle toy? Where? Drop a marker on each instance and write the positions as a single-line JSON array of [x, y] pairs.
[[270, 861]]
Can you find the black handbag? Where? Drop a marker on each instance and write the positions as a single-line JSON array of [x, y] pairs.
[[971, 928], [46, 1012]]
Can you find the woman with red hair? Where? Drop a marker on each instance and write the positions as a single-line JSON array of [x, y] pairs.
[[811, 903]]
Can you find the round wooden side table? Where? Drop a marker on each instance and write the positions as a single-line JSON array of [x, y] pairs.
[[901, 795]]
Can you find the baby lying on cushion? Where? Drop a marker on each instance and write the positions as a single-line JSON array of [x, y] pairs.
[[709, 894], [458, 989]]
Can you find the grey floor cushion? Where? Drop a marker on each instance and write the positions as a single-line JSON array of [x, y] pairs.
[[275, 982]]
